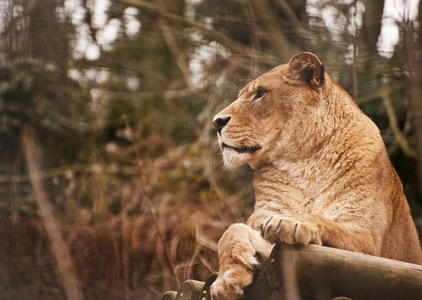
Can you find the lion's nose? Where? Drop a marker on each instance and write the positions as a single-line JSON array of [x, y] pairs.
[[220, 123]]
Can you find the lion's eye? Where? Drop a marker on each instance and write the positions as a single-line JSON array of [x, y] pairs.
[[259, 94]]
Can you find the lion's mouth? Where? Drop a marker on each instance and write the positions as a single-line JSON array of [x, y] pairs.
[[243, 149]]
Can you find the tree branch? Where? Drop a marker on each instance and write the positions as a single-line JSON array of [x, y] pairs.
[[60, 251], [392, 118]]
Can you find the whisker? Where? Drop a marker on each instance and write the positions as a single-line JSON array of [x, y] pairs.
[[238, 89], [257, 138], [262, 140]]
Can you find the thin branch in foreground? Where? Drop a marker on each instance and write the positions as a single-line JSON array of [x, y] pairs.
[[60, 251], [149, 205]]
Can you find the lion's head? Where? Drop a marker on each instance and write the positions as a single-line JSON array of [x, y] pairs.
[[280, 113]]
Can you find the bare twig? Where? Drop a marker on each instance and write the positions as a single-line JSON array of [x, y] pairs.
[[401, 140], [379, 94], [128, 201], [355, 50], [177, 54], [271, 29], [223, 39], [292, 18], [68, 169], [149, 205]]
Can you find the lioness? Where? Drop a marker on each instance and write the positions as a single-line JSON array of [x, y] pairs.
[[322, 173]]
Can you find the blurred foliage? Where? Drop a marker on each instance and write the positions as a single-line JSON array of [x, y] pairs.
[[121, 95]]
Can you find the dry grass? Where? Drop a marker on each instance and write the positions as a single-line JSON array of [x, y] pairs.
[[128, 238]]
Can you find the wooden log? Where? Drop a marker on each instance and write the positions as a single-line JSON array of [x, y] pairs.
[[205, 295], [170, 295], [190, 290], [316, 272]]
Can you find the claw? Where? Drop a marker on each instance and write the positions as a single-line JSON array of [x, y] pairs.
[[266, 228], [279, 228]]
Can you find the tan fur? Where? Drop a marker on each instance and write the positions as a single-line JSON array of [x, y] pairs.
[[322, 173]]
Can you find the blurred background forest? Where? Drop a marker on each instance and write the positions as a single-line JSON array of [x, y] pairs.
[[110, 179]]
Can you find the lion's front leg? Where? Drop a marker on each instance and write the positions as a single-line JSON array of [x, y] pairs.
[[304, 229], [238, 249]]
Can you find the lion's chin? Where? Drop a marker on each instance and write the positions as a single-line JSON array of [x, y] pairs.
[[234, 159]]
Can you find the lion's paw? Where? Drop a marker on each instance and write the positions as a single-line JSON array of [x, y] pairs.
[[291, 231], [240, 265], [230, 285]]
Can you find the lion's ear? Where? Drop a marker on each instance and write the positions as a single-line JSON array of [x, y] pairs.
[[307, 67]]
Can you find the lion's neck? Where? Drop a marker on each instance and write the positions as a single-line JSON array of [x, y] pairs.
[[284, 187], [296, 185]]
